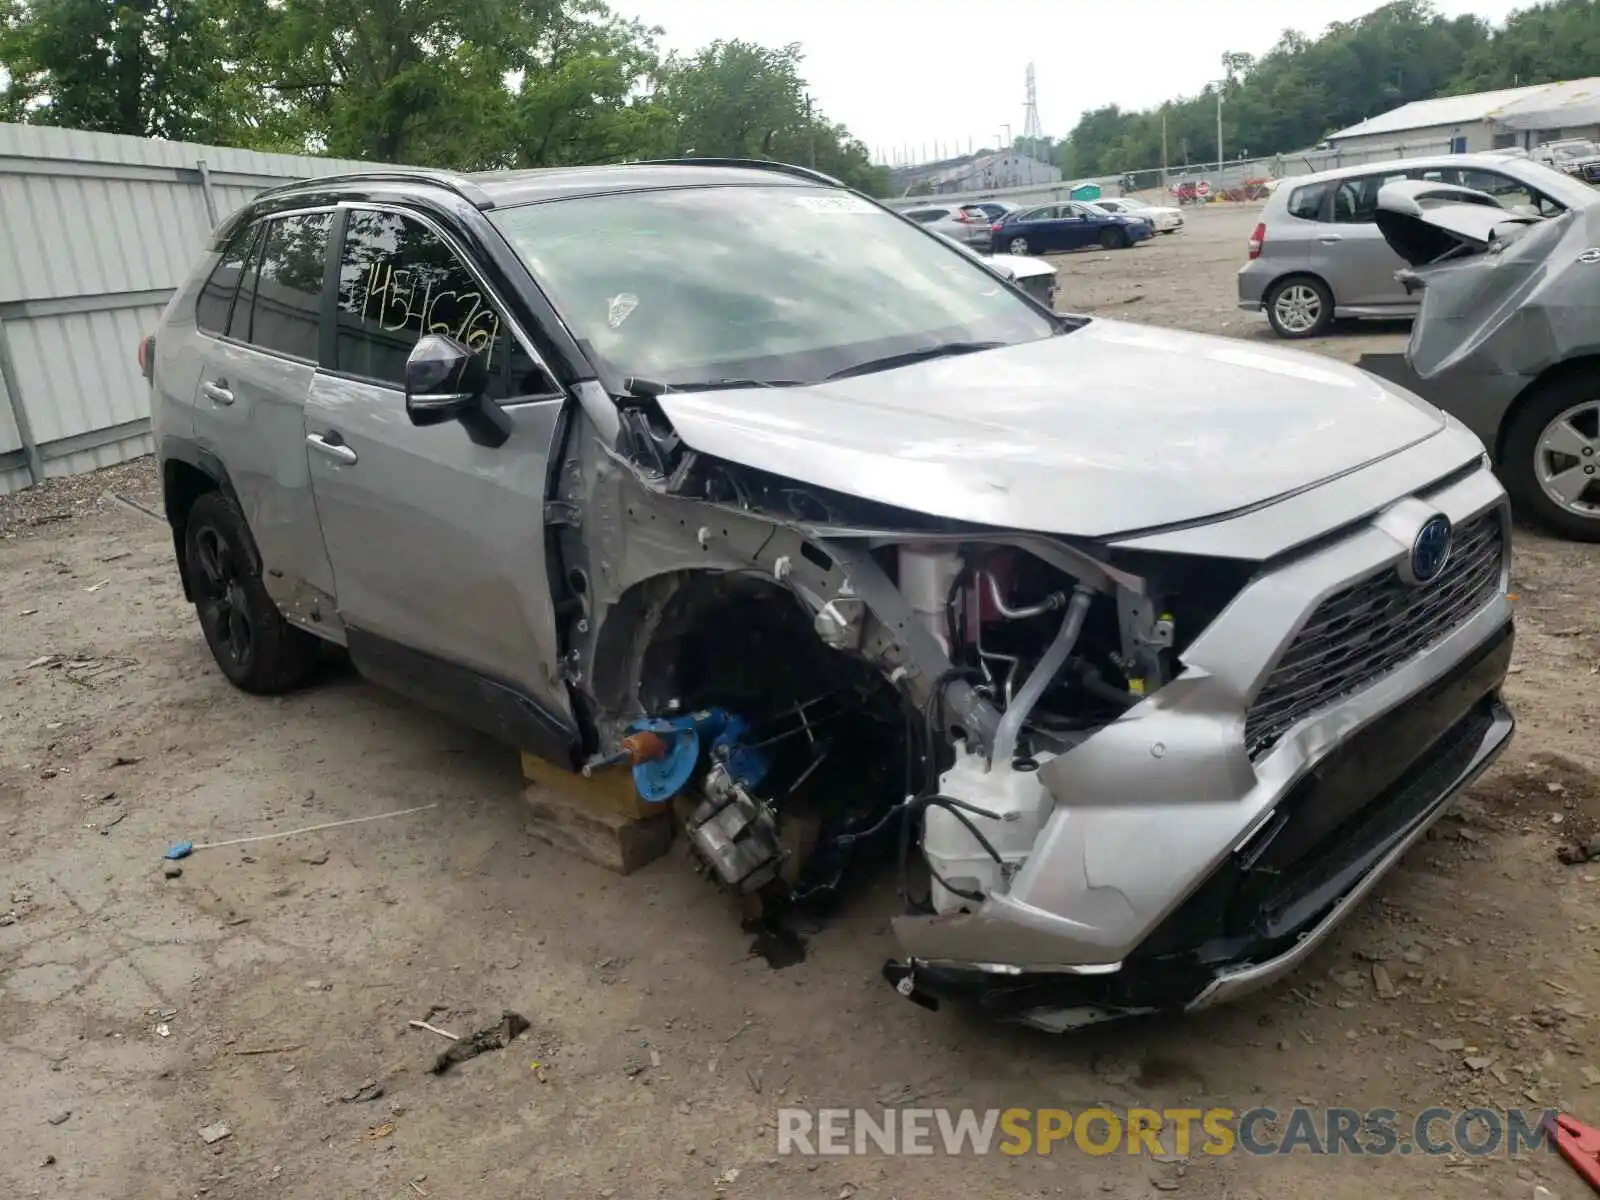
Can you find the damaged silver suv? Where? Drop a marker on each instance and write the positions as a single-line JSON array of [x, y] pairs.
[[1140, 655]]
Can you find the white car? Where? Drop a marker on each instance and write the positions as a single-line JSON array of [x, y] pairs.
[[1162, 219], [1032, 275]]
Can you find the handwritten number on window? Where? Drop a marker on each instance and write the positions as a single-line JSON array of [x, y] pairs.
[[411, 298]]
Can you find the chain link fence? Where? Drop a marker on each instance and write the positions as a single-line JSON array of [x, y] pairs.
[[1249, 179]]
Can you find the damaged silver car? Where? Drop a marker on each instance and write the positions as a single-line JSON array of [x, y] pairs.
[[1138, 656], [1507, 338]]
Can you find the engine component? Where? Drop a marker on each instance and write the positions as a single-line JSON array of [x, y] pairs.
[[735, 833], [634, 749], [1042, 676], [927, 578], [959, 861], [840, 622], [663, 776]]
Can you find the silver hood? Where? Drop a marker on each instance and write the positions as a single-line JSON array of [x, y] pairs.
[[1111, 428]]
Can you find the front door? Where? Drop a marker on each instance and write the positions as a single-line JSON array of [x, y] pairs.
[[437, 540], [260, 358]]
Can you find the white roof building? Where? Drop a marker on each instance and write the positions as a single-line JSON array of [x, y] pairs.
[[1521, 116]]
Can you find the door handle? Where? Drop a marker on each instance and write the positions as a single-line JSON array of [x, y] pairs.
[[332, 447], [217, 393], [1329, 239]]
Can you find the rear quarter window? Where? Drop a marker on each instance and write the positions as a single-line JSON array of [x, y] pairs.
[[216, 297], [1305, 202]]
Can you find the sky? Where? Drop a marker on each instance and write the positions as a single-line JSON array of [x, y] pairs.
[[933, 78]]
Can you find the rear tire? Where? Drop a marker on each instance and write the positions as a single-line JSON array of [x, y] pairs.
[[255, 648], [1299, 307], [1018, 246], [1551, 464]]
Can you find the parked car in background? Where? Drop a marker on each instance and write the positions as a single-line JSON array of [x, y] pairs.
[[1317, 254], [1071, 226], [1032, 275], [1162, 219], [1506, 339], [995, 210], [968, 224], [1572, 156]]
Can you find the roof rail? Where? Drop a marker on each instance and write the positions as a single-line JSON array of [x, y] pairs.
[[752, 164], [464, 188]]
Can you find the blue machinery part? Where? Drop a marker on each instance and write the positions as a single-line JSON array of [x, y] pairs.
[[716, 729]]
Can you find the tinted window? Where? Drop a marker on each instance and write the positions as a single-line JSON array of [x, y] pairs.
[[399, 280], [239, 318], [799, 283], [285, 317], [1306, 202], [925, 215], [216, 297], [1356, 200]]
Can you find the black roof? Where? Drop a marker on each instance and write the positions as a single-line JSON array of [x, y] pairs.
[[503, 189]]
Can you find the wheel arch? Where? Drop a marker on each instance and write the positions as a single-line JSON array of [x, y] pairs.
[[1551, 376], [635, 646], [187, 473]]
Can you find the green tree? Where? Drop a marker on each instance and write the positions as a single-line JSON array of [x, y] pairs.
[[1299, 91], [736, 99], [413, 81], [585, 96], [1537, 45], [142, 67]]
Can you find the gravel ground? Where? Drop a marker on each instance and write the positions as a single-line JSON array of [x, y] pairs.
[[268, 988]]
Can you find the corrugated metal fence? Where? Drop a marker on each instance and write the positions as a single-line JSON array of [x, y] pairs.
[[96, 231]]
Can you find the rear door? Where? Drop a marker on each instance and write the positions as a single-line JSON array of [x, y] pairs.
[[1292, 233], [1351, 253], [260, 357], [437, 539]]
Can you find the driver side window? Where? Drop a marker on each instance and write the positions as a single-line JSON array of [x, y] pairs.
[[399, 280]]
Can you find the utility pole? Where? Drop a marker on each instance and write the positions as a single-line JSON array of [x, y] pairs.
[[811, 133], [1218, 84], [1163, 150]]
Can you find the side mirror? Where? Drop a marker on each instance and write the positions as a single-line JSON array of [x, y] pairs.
[[445, 380]]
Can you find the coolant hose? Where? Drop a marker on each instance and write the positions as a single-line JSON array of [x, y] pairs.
[[1042, 676]]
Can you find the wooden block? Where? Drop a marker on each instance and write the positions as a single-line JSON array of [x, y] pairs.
[[610, 790], [614, 840]]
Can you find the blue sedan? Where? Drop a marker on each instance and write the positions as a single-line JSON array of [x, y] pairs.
[[1067, 227]]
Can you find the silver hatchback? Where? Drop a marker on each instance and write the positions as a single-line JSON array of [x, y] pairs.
[[1317, 254]]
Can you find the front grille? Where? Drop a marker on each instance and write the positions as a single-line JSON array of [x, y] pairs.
[[1359, 634]]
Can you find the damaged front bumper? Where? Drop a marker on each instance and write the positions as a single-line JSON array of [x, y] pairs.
[[1186, 861]]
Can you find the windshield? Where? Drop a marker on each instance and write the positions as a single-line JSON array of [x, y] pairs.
[[698, 286]]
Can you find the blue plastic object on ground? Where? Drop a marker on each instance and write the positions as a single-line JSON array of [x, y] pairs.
[[181, 850], [659, 780]]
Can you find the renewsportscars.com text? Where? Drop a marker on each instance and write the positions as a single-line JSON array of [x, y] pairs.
[[1478, 1132]]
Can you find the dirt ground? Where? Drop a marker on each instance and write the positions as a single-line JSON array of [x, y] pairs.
[[269, 987]]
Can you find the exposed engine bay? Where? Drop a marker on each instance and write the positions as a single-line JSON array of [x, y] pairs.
[[817, 683]]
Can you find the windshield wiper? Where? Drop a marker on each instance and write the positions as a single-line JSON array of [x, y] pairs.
[[714, 385], [907, 357], [646, 389]]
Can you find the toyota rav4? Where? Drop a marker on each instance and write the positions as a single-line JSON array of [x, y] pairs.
[[1143, 654]]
